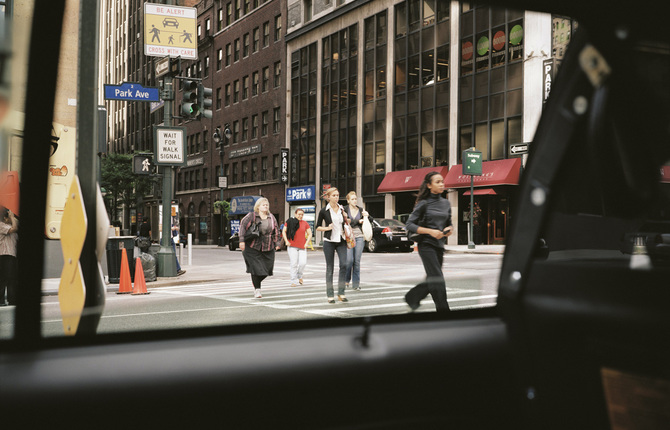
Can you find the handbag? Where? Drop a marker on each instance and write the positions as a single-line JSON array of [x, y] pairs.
[[253, 232], [367, 229], [349, 236]]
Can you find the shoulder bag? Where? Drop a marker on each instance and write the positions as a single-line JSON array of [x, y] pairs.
[[348, 231], [253, 232]]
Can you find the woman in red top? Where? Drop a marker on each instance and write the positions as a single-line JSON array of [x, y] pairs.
[[296, 235]]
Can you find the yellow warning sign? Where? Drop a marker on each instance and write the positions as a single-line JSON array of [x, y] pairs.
[[170, 31]]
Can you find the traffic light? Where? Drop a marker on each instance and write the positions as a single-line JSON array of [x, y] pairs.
[[205, 101], [190, 107]]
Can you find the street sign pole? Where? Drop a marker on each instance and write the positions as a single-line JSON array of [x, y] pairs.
[[472, 165], [167, 260]]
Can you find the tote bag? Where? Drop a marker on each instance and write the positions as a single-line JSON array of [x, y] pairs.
[[367, 229]]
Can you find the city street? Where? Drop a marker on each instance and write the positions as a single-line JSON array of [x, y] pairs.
[[217, 291]]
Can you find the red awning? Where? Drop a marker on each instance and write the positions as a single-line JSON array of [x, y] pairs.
[[408, 180], [481, 192], [498, 172]]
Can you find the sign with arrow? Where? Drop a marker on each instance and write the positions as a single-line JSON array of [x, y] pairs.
[[518, 148], [472, 162]]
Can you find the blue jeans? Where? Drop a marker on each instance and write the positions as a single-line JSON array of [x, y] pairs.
[[175, 255], [329, 249], [354, 262]]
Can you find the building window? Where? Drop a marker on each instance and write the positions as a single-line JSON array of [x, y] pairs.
[[236, 91], [264, 123], [307, 8], [229, 13], [277, 28], [257, 35], [245, 171], [266, 34], [197, 143], [219, 20], [235, 174], [264, 168], [254, 170], [237, 9], [247, 6], [275, 166], [204, 178], [208, 27], [266, 79], [245, 49], [277, 120], [245, 129], [254, 84], [491, 80], [218, 98], [207, 66], [227, 100], [277, 81], [236, 131], [254, 126], [205, 141], [228, 52], [237, 50], [219, 59]]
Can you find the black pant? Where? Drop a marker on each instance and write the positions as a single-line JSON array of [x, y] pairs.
[[8, 278], [432, 259], [256, 280]]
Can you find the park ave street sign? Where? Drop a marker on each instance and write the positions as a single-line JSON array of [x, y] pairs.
[[131, 91]]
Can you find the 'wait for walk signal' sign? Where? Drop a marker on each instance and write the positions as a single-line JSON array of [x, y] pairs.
[[170, 31]]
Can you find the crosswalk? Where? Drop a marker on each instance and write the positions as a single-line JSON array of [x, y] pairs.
[[381, 298]]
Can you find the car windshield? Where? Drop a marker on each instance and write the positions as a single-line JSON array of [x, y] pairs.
[[179, 128]]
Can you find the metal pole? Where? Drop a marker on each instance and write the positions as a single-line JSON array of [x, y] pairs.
[[223, 235], [167, 260], [471, 242]]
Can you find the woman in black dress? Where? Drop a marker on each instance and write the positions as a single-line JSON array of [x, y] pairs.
[[259, 252]]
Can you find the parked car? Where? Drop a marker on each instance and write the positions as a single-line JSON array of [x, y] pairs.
[[234, 242], [389, 233]]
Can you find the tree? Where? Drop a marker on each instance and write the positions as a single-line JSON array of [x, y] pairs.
[[121, 183]]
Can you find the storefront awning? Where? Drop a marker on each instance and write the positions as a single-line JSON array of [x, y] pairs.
[[481, 192], [408, 180], [498, 172]]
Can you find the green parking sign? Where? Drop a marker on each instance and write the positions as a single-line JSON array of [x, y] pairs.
[[472, 162]]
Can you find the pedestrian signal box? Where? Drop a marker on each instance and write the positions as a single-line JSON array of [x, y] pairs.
[[143, 164]]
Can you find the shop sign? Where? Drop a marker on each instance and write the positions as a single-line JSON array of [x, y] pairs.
[[297, 194], [242, 205], [284, 165]]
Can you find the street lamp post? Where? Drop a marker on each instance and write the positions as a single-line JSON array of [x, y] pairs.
[[217, 140]]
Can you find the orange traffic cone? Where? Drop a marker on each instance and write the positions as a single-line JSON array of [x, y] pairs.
[[124, 281], [139, 287]]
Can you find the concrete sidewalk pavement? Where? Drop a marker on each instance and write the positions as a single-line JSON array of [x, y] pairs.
[[210, 269]]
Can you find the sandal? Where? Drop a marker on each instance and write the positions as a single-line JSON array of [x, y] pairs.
[[331, 300], [342, 298]]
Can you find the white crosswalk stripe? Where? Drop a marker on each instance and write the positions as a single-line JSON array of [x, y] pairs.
[[374, 299]]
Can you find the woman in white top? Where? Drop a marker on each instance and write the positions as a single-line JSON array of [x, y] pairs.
[[333, 216]]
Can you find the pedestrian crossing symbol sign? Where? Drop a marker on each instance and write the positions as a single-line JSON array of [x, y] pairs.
[[170, 31]]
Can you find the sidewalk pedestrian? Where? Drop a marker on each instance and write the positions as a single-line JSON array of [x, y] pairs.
[[356, 215], [259, 251], [334, 217], [431, 219], [175, 240], [296, 235], [9, 226]]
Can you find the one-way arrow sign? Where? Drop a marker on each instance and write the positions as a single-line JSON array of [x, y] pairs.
[[518, 148], [131, 91]]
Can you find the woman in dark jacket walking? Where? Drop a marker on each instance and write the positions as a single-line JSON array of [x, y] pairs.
[[259, 253], [431, 219], [334, 218]]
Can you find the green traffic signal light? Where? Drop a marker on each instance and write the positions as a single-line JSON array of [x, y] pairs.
[[190, 107]]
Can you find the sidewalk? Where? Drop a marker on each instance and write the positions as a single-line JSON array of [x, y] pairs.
[[210, 270]]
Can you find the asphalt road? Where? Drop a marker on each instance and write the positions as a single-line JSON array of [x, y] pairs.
[[224, 294]]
